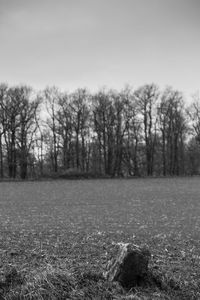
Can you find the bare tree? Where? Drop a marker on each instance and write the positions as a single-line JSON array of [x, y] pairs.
[[146, 98], [104, 121], [173, 127], [64, 117], [3, 95], [193, 111], [79, 101], [122, 111], [28, 115], [11, 122], [133, 134], [51, 98]]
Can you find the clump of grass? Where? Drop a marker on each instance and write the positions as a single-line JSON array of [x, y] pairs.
[[51, 283], [92, 285], [12, 278]]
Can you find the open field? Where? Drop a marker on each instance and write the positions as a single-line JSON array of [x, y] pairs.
[[70, 228]]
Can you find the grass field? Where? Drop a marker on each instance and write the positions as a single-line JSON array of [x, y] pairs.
[[58, 236]]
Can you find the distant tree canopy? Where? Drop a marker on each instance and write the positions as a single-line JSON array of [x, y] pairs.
[[142, 132]]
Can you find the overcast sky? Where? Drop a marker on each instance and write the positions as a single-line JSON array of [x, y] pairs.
[[92, 43]]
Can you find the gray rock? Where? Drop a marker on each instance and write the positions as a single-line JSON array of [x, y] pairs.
[[129, 267]]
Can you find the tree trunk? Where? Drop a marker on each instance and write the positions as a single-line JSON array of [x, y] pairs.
[[1, 157], [163, 152]]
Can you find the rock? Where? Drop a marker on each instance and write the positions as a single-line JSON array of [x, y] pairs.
[[129, 267]]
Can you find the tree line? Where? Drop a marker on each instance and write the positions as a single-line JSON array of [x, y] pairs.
[[141, 132]]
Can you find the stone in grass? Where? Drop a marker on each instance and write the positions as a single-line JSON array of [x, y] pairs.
[[129, 267]]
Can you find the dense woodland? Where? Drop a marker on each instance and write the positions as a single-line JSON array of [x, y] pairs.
[[141, 132]]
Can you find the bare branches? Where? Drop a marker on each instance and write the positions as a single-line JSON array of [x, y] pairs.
[[131, 132]]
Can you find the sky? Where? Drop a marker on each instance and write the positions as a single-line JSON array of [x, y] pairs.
[[96, 43]]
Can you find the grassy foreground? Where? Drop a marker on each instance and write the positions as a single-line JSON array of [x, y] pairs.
[[57, 236]]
